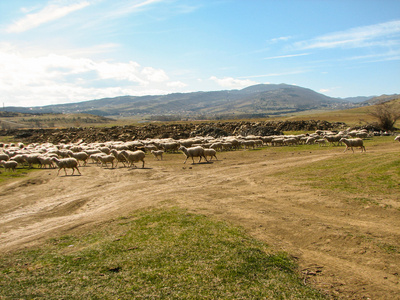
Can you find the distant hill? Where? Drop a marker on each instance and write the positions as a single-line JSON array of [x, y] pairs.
[[380, 99], [257, 100]]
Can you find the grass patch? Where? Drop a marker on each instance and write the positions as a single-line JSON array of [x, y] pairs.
[[364, 175], [156, 254], [18, 173]]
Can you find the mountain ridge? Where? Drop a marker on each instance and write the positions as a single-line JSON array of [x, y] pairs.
[[262, 99]]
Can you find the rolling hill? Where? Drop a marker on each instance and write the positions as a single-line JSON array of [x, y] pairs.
[[257, 100]]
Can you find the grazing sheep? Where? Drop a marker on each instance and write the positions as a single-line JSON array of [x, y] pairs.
[[66, 163], [104, 159], [11, 164], [397, 138], [133, 156], [157, 153], [210, 152], [193, 152], [350, 143]]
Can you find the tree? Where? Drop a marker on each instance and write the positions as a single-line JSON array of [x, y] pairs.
[[387, 115]]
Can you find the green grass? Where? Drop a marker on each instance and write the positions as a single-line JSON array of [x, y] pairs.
[[18, 173], [368, 176], [155, 254]]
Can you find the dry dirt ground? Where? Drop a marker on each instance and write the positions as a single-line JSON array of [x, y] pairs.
[[333, 240]]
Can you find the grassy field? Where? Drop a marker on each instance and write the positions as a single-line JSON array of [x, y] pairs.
[[158, 254], [360, 178]]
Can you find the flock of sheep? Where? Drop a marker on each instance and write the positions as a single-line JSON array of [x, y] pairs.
[[73, 155]]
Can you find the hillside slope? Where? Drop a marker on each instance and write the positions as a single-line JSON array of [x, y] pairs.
[[258, 99]]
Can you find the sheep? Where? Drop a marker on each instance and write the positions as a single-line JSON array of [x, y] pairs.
[[10, 164], [210, 152], [46, 160], [31, 159], [64, 163], [310, 140], [4, 156], [350, 143], [193, 152], [19, 158], [79, 156], [95, 157], [397, 138], [150, 148], [134, 156], [172, 146], [332, 139], [321, 142], [104, 159], [119, 156], [157, 153]]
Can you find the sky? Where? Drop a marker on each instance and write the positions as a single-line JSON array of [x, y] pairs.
[[66, 51]]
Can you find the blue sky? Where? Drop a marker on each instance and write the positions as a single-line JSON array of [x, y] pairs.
[[63, 51]]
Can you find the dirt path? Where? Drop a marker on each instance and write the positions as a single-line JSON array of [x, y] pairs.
[[336, 243]]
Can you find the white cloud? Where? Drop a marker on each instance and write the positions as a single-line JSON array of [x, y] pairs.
[[49, 13], [176, 84], [50, 79], [287, 56], [365, 36], [279, 39], [229, 82]]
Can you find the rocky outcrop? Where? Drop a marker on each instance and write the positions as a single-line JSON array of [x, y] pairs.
[[175, 131]]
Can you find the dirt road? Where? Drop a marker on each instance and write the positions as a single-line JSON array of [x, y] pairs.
[[335, 242]]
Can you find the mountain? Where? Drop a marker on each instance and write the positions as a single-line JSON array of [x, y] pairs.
[[380, 99], [261, 99]]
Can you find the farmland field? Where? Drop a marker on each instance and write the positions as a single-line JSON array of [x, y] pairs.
[[337, 215]]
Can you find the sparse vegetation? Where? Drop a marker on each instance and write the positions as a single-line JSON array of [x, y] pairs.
[[387, 114]]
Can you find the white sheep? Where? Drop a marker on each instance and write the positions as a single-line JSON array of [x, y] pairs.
[[10, 164], [79, 156], [321, 142], [397, 138], [119, 156], [350, 143], [133, 156], [4, 156], [172, 146], [210, 152], [193, 152], [157, 154], [46, 161], [104, 159], [66, 163]]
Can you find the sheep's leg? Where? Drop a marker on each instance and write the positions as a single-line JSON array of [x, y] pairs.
[[73, 169], [186, 159], [143, 164]]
